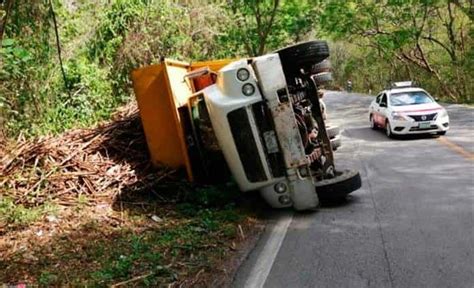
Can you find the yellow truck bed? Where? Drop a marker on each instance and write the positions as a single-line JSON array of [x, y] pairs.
[[160, 90]]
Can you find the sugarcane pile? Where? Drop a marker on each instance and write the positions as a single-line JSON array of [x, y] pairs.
[[97, 163]]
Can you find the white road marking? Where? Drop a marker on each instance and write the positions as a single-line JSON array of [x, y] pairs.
[[264, 264]]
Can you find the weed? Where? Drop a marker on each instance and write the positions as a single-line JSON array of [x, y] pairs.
[[19, 215], [46, 278], [82, 200]]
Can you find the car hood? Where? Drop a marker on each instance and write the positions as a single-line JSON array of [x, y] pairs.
[[418, 109]]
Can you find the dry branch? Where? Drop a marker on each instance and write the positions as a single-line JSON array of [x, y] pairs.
[[97, 162]]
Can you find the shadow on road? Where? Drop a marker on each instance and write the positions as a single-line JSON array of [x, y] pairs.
[[339, 203], [367, 134]]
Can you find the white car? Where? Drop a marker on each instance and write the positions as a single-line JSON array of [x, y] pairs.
[[404, 109]]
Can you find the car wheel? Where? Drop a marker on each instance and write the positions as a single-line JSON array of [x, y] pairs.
[[441, 133], [388, 130], [345, 182], [304, 55], [372, 123]]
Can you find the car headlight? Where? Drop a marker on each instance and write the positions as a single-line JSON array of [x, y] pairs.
[[443, 113], [399, 117]]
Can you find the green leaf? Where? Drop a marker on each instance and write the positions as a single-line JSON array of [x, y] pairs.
[[8, 42]]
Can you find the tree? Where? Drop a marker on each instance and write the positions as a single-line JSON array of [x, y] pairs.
[[426, 35], [269, 24]]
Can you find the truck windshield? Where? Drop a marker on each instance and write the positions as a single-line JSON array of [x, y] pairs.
[[410, 98]]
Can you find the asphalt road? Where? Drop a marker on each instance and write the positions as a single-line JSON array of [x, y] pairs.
[[410, 225]]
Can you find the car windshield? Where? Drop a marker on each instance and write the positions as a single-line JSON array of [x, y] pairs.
[[410, 98]]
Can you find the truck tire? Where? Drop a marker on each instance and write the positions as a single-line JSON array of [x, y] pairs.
[[346, 182], [303, 55], [335, 143], [323, 66], [322, 78], [332, 131]]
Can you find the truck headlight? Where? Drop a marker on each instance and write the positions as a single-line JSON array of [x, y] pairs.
[[285, 200], [280, 188], [248, 89], [243, 74]]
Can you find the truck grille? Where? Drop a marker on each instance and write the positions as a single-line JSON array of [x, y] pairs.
[[426, 117], [246, 145], [265, 126]]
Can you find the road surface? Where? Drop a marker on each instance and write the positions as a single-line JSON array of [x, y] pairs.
[[410, 225]]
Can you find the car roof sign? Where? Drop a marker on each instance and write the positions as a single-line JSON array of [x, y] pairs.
[[402, 84]]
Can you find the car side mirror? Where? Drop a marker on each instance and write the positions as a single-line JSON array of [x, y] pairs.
[[383, 104], [436, 99]]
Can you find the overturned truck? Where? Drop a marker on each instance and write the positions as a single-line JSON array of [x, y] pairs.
[[257, 120]]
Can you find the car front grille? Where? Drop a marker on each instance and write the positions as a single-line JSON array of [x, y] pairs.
[[425, 117], [423, 129]]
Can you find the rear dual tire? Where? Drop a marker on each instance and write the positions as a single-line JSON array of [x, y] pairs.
[[303, 55], [323, 66], [332, 131], [322, 78]]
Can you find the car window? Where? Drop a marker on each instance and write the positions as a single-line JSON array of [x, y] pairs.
[[377, 100], [410, 98], [384, 99]]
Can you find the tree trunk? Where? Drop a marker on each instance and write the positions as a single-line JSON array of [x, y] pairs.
[[58, 46], [7, 6], [266, 31]]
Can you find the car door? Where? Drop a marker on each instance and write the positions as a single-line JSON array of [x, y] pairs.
[[382, 110], [374, 107]]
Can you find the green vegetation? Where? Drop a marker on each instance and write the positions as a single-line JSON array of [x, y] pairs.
[[184, 243], [425, 40], [162, 255], [102, 41], [17, 216]]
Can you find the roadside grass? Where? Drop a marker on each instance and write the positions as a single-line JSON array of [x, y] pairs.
[[137, 239], [15, 216]]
